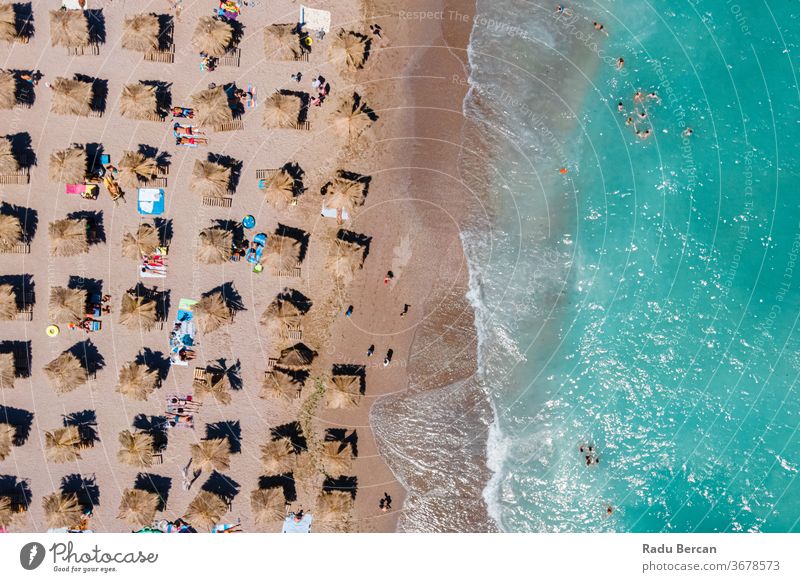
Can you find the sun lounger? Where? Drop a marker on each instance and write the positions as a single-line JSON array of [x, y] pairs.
[[294, 272], [294, 333], [200, 378], [220, 202], [26, 313], [231, 59], [156, 183], [153, 117], [271, 362], [165, 56], [18, 178], [95, 113], [21, 248], [158, 458], [230, 126], [303, 125], [266, 174], [92, 49]]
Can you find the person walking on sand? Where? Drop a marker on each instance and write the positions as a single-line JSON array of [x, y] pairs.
[[385, 504], [405, 310], [349, 311], [370, 350]]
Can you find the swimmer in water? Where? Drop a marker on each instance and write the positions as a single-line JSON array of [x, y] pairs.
[[687, 132], [643, 135], [561, 9], [638, 97], [629, 121], [642, 115], [620, 106], [597, 26], [620, 63], [654, 96], [609, 510]]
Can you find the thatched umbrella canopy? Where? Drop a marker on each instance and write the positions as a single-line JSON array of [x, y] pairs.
[[216, 246], [277, 457], [66, 305], [137, 381], [211, 107], [66, 373], [138, 507], [281, 253], [205, 511], [8, 370], [8, 163], [62, 510], [10, 231], [69, 28], [8, 302], [333, 506], [216, 385], [282, 110], [281, 315], [6, 511], [280, 189], [135, 167], [268, 505], [297, 357], [143, 242], [353, 116], [61, 445], [68, 237], [8, 90], [345, 259], [211, 455], [140, 32], [351, 48], [345, 194], [343, 392], [137, 311], [68, 166], [7, 435], [8, 23], [280, 385], [212, 312], [337, 458], [210, 179], [282, 42], [212, 36], [71, 97], [136, 449], [138, 101]]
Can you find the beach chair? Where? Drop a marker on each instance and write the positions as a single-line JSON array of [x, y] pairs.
[[293, 272], [271, 363], [158, 458], [163, 56], [155, 183], [266, 174], [302, 56], [303, 125], [229, 126], [25, 313], [200, 378], [232, 58], [218, 202], [92, 49], [294, 333], [21, 248], [153, 117], [18, 178]]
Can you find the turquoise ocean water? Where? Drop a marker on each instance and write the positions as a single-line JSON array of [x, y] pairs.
[[645, 302]]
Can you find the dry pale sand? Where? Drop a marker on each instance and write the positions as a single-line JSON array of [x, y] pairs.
[[411, 215]]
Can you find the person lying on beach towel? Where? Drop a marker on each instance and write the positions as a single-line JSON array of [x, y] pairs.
[[191, 140], [179, 130], [182, 112]]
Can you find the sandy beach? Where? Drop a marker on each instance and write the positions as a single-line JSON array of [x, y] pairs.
[[410, 219]]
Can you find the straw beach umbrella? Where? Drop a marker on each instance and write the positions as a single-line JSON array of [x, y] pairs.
[[138, 101], [68, 237], [7, 435], [268, 505], [136, 449], [136, 381], [8, 162], [62, 510], [212, 36], [280, 385], [8, 23], [345, 259], [216, 246], [280, 189], [277, 457], [135, 168], [353, 116], [345, 194], [68, 166], [143, 242], [297, 357], [216, 385], [8, 371], [282, 110], [211, 107], [282, 42], [71, 97], [333, 506], [61, 445], [8, 303], [137, 312], [10, 231], [210, 179], [8, 90], [344, 392], [337, 458], [140, 32], [69, 28], [281, 253], [211, 455], [351, 48], [66, 305], [66, 373], [138, 507], [281, 315], [212, 312], [205, 511], [6, 512]]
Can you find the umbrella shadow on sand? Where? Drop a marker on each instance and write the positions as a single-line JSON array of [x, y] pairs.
[[157, 361], [28, 218], [22, 148], [156, 427], [86, 423], [21, 420], [84, 488], [88, 354], [230, 430], [161, 298], [346, 484], [294, 433], [95, 231], [99, 91], [298, 234], [18, 491], [339, 435], [24, 20], [285, 482], [22, 352], [221, 485], [157, 484], [234, 165]]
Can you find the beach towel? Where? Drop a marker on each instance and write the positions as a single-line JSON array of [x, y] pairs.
[[150, 201], [315, 19], [302, 526], [334, 213]]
